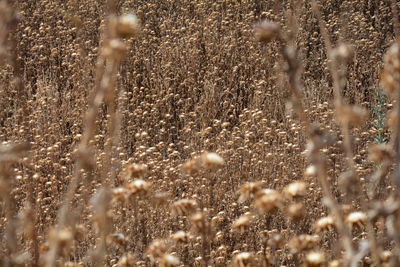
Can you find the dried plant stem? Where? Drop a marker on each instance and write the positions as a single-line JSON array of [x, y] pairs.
[[345, 128], [290, 55]]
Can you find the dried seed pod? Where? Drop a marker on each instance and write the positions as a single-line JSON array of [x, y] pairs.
[[342, 53]]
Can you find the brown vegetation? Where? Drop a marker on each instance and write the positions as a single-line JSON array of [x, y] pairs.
[[199, 133]]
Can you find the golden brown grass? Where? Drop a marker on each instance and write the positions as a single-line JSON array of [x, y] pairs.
[[199, 133]]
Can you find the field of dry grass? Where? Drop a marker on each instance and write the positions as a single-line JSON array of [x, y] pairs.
[[199, 133]]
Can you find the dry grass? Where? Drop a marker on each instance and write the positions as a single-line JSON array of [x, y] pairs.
[[199, 133]]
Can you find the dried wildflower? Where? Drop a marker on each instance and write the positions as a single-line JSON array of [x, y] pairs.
[[268, 200], [127, 25], [303, 242], [180, 237], [156, 249], [295, 190], [168, 260], [115, 49], [390, 78], [160, 198], [356, 218], [242, 223], [325, 224], [207, 160], [311, 171], [335, 263], [212, 160], [295, 210], [138, 186], [120, 194], [266, 31], [127, 260], [248, 190], [386, 256], [315, 258], [242, 259], [135, 171], [184, 207], [199, 223], [343, 53]]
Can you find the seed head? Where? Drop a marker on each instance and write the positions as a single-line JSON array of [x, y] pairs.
[[295, 189], [168, 260], [268, 200], [325, 224], [242, 259], [356, 218], [266, 30], [127, 26], [315, 258], [184, 207]]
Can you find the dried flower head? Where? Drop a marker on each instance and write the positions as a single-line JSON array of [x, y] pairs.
[[156, 249], [303, 242], [390, 78], [127, 260], [242, 223], [168, 260], [127, 25], [356, 218], [120, 194], [268, 200], [295, 210], [248, 190], [295, 190], [315, 258], [243, 259], [184, 207], [180, 237], [325, 224], [266, 30], [207, 160], [138, 186]]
